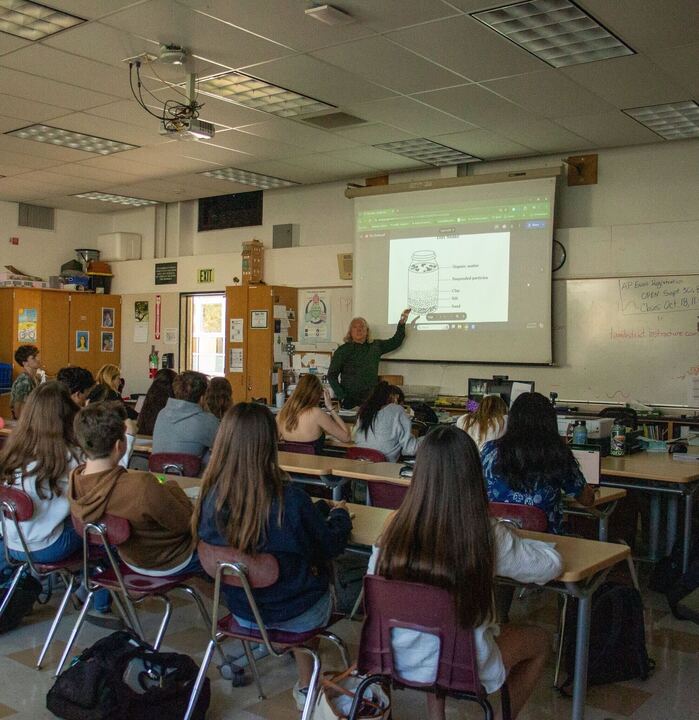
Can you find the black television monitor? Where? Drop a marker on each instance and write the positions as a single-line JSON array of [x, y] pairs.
[[230, 211]]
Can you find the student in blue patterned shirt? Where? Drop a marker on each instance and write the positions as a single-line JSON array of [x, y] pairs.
[[531, 463]]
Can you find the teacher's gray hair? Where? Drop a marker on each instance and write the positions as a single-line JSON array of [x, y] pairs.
[[348, 336]]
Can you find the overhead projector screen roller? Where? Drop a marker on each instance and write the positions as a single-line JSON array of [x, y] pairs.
[[473, 263]]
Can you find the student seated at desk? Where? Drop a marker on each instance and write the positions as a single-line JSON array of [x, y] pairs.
[[27, 357], [442, 535], [383, 424], [108, 388], [218, 397], [247, 503], [531, 463], [301, 420], [183, 426], [159, 392], [159, 513], [487, 423], [79, 382]]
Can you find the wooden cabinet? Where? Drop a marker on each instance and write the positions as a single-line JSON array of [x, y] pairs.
[[69, 328], [252, 307]]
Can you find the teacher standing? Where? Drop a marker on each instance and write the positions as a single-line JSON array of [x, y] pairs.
[[354, 369]]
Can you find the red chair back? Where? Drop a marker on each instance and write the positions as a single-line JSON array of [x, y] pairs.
[[526, 517], [305, 448], [430, 610], [117, 530], [386, 495], [368, 454], [175, 464], [15, 499], [262, 570]]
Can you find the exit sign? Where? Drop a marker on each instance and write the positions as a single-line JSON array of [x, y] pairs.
[[205, 276]]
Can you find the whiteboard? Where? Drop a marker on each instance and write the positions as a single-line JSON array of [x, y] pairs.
[[624, 339]]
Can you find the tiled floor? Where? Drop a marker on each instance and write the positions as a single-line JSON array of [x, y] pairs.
[[672, 692]]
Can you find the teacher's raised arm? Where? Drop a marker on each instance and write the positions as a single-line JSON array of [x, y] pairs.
[[354, 369]]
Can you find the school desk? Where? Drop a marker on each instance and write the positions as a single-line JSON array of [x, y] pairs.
[[662, 477]]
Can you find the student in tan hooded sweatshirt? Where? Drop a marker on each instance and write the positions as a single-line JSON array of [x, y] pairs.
[[159, 513]]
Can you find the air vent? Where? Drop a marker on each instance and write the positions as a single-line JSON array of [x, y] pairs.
[[333, 121], [36, 216]]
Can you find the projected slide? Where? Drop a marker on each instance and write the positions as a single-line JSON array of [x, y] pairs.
[[450, 281]]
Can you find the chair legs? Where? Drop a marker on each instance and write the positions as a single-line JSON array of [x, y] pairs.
[[561, 633], [12, 587], [70, 583], [339, 643], [253, 668], [74, 632], [313, 685], [199, 682]]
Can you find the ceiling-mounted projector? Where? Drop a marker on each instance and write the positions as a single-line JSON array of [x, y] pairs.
[[172, 54], [187, 129]]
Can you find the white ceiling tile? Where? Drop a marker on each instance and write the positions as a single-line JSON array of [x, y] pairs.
[[169, 157], [470, 6], [385, 15], [10, 143], [27, 86], [468, 47], [298, 134], [282, 21], [55, 64], [260, 147], [320, 80], [548, 93], [541, 134], [165, 21], [10, 42], [59, 181], [627, 82], [472, 103], [111, 129], [374, 134], [483, 144], [378, 159], [612, 129], [388, 64], [25, 161], [682, 65], [119, 163], [80, 170], [10, 123], [229, 114], [30, 111], [329, 164], [410, 116], [648, 25], [90, 9], [7, 168]]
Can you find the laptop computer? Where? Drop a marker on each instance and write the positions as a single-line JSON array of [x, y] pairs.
[[589, 460]]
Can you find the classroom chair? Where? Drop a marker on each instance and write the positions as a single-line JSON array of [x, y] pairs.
[[175, 464], [17, 507], [367, 454], [431, 610], [525, 517], [304, 448], [127, 587], [228, 566]]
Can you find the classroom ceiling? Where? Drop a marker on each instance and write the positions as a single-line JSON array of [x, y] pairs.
[[406, 68]]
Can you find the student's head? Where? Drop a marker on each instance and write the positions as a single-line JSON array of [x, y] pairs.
[[397, 395], [358, 331], [532, 449], [27, 357], [441, 534], [98, 429], [244, 475], [219, 396], [190, 386], [78, 381], [44, 434], [159, 392], [109, 375], [307, 395], [491, 413], [383, 394]]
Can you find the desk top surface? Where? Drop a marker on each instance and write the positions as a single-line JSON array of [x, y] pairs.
[[650, 466]]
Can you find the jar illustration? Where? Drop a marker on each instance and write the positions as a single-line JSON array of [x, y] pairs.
[[423, 282]]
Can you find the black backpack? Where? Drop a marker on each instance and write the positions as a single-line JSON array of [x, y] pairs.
[[120, 676], [21, 603], [617, 637], [668, 578]]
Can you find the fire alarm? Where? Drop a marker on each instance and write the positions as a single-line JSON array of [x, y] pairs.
[[14, 241]]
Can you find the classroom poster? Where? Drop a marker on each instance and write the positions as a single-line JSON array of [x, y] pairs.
[[236, 360], [82, 341], [236, 332], [315, 306], [107, 341], [140, 316], [26, 325], [107, 317]]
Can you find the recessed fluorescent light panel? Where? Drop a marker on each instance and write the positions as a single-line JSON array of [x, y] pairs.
[[116, 199], [260, 95], [266, 182], [70, 139], [32, 21], [428, 152], [672, 121], [556, 31]]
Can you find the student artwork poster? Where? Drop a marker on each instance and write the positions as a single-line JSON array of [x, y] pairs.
[[107, 342], [107, 317], [82, 341]]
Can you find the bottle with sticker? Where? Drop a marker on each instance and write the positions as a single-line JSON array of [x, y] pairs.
[[617, 445]]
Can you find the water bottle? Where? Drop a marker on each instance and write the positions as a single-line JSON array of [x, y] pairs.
[[580, 433], [617, 445]]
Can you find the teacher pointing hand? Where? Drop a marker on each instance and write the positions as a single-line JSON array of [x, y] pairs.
[[354, 369]]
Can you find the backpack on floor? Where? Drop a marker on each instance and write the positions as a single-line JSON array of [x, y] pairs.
[[120, 676], [350, 570], [668, 578], [617, 637], [21, 603]]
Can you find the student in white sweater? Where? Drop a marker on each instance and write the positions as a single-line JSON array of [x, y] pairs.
[[487, 423], [383, 424], [38, 458], [442, 534]]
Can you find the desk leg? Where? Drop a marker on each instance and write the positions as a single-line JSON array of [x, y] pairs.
[[672, 504], [582, 643], [687, 539], [654, 526], [603, 531]]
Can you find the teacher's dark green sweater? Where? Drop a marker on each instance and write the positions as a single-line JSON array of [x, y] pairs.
[[354, 369]]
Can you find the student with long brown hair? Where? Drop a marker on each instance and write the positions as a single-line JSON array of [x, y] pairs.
[[442, 535], [302, 420], [218, 397], [487, 423], [159, 392], [247, 503]]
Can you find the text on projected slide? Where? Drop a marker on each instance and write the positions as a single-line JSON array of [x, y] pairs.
[[450, 281]]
